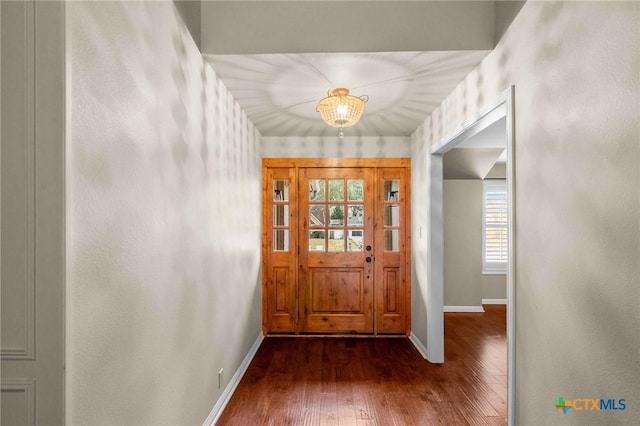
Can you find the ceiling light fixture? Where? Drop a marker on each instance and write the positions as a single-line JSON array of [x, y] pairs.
[[340, 109]]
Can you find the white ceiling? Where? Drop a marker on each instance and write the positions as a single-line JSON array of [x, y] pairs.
[[476, 156], [493, 136], [469, 163], [279, 58], [279, 92]]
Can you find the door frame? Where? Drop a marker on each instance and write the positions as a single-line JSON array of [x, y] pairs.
[[502, 106], [299, 163]]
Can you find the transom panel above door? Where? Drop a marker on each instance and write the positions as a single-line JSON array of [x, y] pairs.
[[335, 245]]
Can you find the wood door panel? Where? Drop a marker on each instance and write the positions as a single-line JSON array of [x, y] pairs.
[[282, 289], [391, 312], [282, 294], [345, 323], [339, 301], [336, 290], [391, 290]]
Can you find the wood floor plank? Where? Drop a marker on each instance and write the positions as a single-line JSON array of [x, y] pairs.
[[378, 381], [344, 397]]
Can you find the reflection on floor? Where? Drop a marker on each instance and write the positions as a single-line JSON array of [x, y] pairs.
[[381, 381]]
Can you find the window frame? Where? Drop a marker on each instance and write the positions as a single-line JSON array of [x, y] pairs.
[[494, 268]]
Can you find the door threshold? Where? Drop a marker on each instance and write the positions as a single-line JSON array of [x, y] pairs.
[[337, 335]]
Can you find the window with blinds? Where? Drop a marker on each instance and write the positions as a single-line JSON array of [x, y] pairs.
[[494, 227]]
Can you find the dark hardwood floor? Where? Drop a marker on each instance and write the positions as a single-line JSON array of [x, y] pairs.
[[378, 381]]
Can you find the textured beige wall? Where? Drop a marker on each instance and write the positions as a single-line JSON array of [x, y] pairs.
[[575, 67], [469, 163], [494, 286], [242, 27], [333, 147], [498, 171], [464, 283], [163, 213], [462, 211]]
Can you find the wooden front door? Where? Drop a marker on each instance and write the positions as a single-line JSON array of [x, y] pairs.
[[336, 246], [336, 243]]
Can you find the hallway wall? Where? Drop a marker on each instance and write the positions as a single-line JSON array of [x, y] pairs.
[[575, 67], [462, 225], [163, 217], [464, 282], [333, 147]]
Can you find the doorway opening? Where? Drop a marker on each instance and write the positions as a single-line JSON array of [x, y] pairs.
[[500, 111]]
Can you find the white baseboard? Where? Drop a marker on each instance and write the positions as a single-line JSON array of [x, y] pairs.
[[462, 309], [494, 301], [418, 345], [217, 409]]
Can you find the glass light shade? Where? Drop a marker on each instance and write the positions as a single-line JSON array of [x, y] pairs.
[[340, 109]]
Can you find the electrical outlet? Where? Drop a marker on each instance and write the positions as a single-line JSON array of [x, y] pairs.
[[220, 378]]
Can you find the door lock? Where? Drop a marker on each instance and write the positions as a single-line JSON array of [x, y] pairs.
[[368, 259]]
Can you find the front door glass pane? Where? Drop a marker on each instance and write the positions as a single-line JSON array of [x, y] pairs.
[[336, 189], [355, 214], [391, 240], [317, 215], [336, 240], [316, 240], [316, 190], [392, 190], [281, 215], [280, 240], [336, 215], [392, 215], [356, 240], [356, 189], [281, 190]]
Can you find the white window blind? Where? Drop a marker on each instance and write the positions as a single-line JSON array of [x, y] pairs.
[[494, 227]]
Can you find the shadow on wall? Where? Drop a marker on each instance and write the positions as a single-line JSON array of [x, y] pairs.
[[420, 209], [577, 162], [163, 220], [333, 147], [204, 123]]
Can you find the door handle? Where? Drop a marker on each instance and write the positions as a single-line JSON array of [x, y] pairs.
[[368, 259]]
